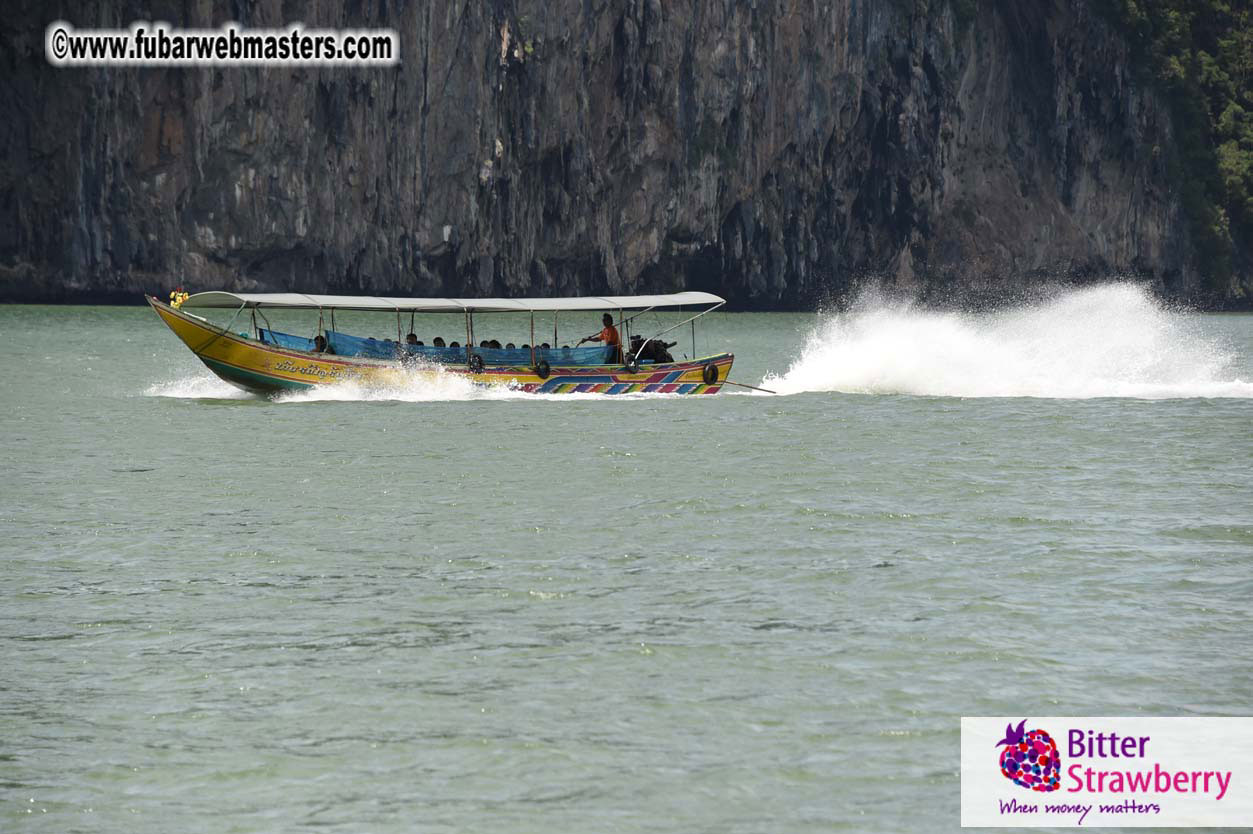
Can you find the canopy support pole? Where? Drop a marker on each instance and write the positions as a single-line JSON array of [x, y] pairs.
[[680, 324], [532, 338], [637, 315], [221, 332]]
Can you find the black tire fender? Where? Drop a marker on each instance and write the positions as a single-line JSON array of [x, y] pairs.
[[542, 369], [710, 374], [476, 364]]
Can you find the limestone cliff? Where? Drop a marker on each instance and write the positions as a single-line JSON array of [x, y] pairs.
[[775, 151]]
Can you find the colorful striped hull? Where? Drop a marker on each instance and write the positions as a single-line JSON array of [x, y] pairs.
[[265, 368]]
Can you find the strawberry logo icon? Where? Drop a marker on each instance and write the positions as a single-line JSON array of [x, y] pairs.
[[1030, 758]]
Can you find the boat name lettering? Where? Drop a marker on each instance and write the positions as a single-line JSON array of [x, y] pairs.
[[312, 369]]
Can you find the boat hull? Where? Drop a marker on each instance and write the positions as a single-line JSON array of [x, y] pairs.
[[267, 369]]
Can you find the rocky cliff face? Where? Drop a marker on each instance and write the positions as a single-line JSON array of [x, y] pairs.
[[775, 151]]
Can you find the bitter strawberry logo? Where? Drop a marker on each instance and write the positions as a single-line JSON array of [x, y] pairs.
[[1030, 758]]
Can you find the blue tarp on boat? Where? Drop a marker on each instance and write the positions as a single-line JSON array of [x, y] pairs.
[[286, 340], [346, 345], [558, 356]]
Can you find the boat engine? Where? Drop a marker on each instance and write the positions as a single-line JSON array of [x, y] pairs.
[[656, 350]]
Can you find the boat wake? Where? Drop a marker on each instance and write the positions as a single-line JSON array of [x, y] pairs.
[[1112, 340], [199, 386], [428, 384], [442, 387]]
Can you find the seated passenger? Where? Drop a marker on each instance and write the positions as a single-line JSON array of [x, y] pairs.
[[412, 339], [495, 345], [509, 346], [438, 341], [484, 343], [526, 347], [455, 345], [320, 344], [420, 343], [544, 346]]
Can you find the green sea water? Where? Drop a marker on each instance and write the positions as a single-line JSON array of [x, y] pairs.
[[438, 609]]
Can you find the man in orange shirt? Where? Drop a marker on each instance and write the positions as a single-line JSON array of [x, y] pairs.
[[609, 335]]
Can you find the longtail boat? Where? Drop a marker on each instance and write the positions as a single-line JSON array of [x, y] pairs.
[[263, 360]]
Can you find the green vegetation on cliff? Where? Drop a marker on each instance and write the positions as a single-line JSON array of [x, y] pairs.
[[1201, 52]]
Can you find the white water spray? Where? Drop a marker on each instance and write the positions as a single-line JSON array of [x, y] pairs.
[[428, 383], [199, 386], [1113, 340]]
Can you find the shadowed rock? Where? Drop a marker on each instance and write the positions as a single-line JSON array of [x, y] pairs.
[[774, 152]]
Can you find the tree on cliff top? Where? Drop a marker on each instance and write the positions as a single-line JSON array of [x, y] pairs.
[[1201, 52]]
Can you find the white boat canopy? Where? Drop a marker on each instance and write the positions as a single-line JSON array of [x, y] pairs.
[[446, 305]]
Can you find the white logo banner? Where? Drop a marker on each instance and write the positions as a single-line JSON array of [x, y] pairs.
[[1102, 772]]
